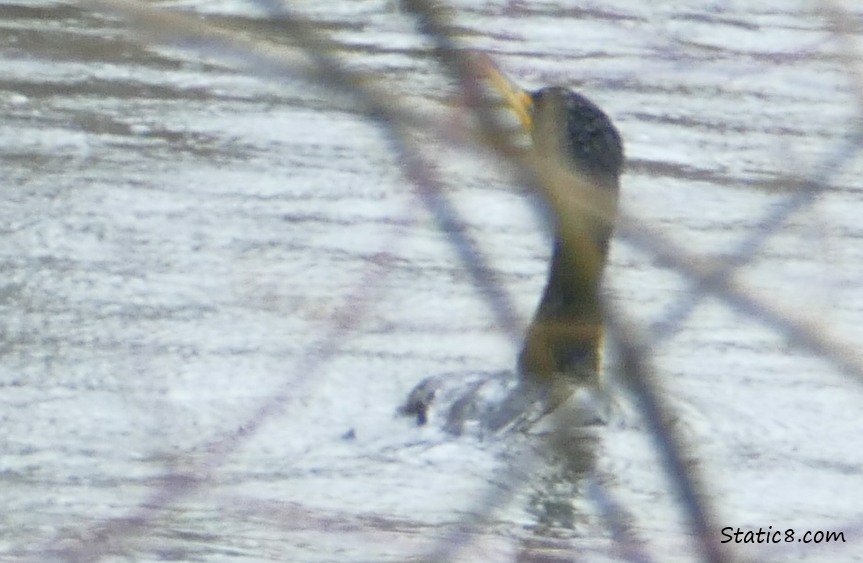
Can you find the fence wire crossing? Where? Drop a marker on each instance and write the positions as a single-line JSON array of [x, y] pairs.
[[306, 51]]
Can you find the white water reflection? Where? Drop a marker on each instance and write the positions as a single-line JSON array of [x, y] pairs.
[[176, 237]]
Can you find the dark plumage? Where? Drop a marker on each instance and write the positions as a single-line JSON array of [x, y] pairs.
[[590, 139], [580, 155], [577, 157]]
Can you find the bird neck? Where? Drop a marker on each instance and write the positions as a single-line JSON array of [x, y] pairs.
[[566, 333]]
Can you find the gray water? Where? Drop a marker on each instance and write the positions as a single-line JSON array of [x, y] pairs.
[[179, 238]]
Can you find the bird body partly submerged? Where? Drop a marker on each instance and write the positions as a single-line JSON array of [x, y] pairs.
[[577, 159]]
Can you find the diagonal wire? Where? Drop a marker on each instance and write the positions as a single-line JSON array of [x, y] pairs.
[[640, 380], [613, 514], [805, 332], [276, 63], [672, 320], [721, 285], [832, 165], [428, 187], [175, 485], [670, 444]]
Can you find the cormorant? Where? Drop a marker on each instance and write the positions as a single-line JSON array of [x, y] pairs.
[[576, 159]]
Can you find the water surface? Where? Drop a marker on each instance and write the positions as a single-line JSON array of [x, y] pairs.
[[177, 237]]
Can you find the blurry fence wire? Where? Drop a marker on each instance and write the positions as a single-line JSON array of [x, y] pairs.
[[314, 57]]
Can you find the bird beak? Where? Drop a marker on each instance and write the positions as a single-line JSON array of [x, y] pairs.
[[517, 99]]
